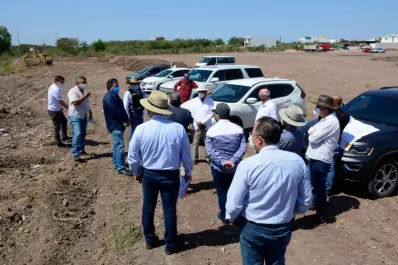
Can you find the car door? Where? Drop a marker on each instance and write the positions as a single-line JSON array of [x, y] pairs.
[[220, 74]]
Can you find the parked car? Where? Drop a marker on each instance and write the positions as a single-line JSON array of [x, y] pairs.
[[367, 50], [148, 71], [373, 159], [215, 60], [153, 83], [378, 50], [243, 100], [211, 76]]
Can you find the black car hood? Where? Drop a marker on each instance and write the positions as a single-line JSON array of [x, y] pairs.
[[385, 130]]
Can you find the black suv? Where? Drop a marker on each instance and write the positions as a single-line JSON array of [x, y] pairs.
[[373, 159], [148, 71]]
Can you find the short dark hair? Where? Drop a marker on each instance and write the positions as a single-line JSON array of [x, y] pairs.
[[110, 82], [269, 129], [81, 78], [59, 78], [175, 99]]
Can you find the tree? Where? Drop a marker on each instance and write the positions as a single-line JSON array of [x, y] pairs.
[[235, 41], [84, 46], [219, 41], [68, 45], [99, 45], [5, 39]]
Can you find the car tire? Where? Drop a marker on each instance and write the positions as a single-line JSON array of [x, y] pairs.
[[382, 185], [158, 87]]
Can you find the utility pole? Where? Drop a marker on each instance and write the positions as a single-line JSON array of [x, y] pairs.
[[19, 43]]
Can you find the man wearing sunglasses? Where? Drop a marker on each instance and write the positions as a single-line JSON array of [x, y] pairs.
[[79, 112]]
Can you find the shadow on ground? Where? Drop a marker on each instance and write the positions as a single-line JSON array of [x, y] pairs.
[[206, 185]]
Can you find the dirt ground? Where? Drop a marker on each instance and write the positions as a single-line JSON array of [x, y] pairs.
[[53, 211]]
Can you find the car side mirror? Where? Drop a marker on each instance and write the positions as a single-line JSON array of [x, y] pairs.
[[171, 76], [215, 79], [251, 100]]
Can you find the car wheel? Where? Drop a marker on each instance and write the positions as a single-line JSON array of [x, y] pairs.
[[158, 88], [385, 179]]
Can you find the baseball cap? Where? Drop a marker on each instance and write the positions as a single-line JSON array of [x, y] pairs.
[[222, 109]]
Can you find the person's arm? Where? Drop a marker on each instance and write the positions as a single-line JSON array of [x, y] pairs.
[[194, 85], [177, 85], [134, 153], [304, 197], [208, 116], [186, 157], [212, 153], [320, 132], [237, 194], [241, 151], [77, 101], [126, 102]]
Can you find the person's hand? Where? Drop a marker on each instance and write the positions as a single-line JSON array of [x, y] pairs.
[[87, 94], [138, 179], [127, 123], [229, 164]]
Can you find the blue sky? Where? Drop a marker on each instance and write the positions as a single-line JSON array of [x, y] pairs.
[[40, 21]]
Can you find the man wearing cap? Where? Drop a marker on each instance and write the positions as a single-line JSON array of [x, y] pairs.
[[323, 141], [186, 87], [292, 139], [201, 110], [225, 145], [268, 107], [132, 105], [116, 121], [160, 146]]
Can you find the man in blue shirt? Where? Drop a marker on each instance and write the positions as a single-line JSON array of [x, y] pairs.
[[267, 191], [225, 145], [116, 121], [292, 139], [156, 151]]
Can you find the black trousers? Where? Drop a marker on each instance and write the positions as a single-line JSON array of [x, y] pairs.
[[60, 123]]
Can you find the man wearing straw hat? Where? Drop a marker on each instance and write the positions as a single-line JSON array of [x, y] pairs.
[[156, 151], [323, 141], [132, 105], [292, 139]]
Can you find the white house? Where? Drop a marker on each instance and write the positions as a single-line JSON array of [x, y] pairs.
[[258, 41], [321, 39], [393, 38]]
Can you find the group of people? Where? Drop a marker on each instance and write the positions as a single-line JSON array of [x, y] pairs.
[[259, 195]]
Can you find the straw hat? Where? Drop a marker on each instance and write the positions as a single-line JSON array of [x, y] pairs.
[[324, 101], [157, 102], [293, 115], [133, 80]]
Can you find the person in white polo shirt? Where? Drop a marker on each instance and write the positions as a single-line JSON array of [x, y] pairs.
[[79, 112], [55, 105], [268, 108]]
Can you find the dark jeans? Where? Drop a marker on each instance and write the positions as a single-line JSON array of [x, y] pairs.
[[223, 182], [319, 171], [167, 182], [261, 243], [60, 123], [135, 120]]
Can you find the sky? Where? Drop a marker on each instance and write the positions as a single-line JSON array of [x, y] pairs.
[[42, 21]]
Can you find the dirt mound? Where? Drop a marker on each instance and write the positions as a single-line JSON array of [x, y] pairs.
[[386, 59], [134, 64]]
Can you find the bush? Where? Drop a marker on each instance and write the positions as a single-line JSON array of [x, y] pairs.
[[5, 39], [68, 45], [83, 46], [235, 41], [99, 45]]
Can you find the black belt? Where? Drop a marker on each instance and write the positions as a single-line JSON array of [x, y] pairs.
[[271, 225], [164, 171]]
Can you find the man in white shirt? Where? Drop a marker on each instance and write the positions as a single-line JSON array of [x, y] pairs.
[[323, 140], [201, 110], [268, 108], [79, 111], [55, 104]]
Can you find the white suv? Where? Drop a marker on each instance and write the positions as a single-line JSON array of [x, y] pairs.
[[210, 77], [153, 83], [243, 100]]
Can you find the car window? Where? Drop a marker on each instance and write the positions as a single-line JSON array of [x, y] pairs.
[[232, 74], [180, 73], [220, 74], [154, 70], [222, 60], [229, 93], [164, 73], [276, 90], [199, 75], [254, 72], [204, 59], [212, 61]]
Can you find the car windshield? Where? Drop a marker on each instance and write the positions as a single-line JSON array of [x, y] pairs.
[[229, 93], [204, 59], [374, 109], [145, 69], [164, 73], [199, 75]]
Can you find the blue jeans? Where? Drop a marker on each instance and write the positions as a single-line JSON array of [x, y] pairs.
[[167, 182], [319, 171], [135, 120], [330, 177], [118, 150], [223, 182], [264, 243], [79, 132]]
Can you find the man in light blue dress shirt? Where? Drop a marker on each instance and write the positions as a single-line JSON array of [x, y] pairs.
[[156, 151], [267, 191]]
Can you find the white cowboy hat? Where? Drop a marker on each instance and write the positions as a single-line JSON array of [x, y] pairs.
[[157, 102], [293, 115]]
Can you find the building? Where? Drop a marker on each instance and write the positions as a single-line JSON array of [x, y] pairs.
[[158, 38], [258, 41], [393, 38], [319, 39]]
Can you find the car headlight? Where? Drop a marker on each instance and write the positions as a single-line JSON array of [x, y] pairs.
[[361, 150], [150, 83]]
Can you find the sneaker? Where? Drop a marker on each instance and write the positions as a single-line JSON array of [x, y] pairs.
[[61, 144], [322, 222], [66, 138], [153, 244], [125, 172], [76, 158], [170, 251]]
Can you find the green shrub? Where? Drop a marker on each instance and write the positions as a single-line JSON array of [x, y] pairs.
[[99, 45]]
